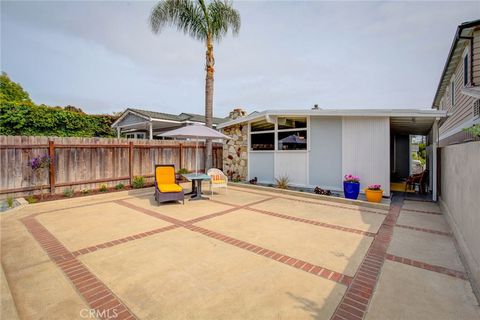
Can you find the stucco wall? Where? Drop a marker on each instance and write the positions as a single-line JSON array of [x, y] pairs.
[[326, 152], [460, 200]]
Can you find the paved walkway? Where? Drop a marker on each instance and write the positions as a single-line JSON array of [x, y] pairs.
[[247, 254]]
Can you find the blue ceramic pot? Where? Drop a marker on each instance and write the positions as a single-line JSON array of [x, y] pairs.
[[351, 189]]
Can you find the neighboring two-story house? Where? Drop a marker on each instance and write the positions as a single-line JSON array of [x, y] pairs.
[[458, 91], [459, 154]]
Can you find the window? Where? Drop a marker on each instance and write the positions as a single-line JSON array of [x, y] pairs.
[[137, 135], [465, 70], [262, 136], [262, 141], [292, 133], [452, 93]]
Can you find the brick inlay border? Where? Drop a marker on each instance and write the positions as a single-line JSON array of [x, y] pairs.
[[97, 295], [356, 299], [361, 209], [443, 233], [423, 211], [312, 222], [427, 266], [293, 262]]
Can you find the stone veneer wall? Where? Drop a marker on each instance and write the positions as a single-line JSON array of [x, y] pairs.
[[235, 152]]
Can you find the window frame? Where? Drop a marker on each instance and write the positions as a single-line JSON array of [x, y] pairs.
[[466, 66], [452, 92]]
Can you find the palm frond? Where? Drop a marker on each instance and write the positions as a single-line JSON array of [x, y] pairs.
[[186, 15], [223, 17]]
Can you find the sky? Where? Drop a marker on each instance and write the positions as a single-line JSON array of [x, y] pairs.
[[102, 56]]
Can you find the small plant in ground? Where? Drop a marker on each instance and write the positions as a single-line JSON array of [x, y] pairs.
[[103, 188], [31, 199], [282, 182], [10, 202], [120, 186], [68, 193], [38, 166], [85, 191], [182, 171], [138, 182]]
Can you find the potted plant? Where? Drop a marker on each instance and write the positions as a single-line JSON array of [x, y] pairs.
[[374, 193], [351, 186]]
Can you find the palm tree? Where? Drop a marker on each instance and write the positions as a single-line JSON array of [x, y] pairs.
[[204, 22]]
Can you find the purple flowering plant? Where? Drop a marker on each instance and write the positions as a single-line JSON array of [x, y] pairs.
[[351, 178], [40, 162], [374, 187]]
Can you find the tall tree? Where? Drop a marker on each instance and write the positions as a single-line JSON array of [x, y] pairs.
[[11, 91], [207, 22]]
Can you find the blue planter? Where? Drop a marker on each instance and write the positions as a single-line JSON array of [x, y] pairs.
[[351, 190]]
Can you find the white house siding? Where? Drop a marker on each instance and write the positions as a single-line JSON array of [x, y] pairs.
[[261, 165], [292, 164], [325, 158], [366, 150]]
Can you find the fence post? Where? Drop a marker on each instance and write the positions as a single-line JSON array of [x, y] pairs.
[[51, 154], [181, 156], [130, 162]]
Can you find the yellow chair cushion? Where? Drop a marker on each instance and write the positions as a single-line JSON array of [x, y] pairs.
[[170, 187], [218, 181], [165, 175]]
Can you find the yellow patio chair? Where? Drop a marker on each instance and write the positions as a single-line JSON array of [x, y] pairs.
[[217, 179], [166, 187]]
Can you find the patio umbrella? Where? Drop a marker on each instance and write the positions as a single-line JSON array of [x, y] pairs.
[[294, 139], [195, 131]]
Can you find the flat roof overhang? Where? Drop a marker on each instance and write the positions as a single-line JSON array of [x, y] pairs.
[[415, 120]]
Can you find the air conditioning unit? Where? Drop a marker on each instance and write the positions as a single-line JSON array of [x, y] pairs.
[[476, 109]]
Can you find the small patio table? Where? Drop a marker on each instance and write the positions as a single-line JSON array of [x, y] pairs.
[[196, 179]]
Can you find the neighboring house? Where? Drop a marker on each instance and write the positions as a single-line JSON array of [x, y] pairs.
[[318, 147], [459, 161], [143, 124], [458, 91]]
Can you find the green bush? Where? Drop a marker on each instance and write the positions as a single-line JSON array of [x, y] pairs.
[[120, 186], [474, 130], [103, 188], [68, 193], [31, 199], [182, 171], [85, 191], [10, 202], [138, 182]]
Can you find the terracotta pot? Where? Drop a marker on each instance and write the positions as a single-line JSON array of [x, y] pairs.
[[374, 195]]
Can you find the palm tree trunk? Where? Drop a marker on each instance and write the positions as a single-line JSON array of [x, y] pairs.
[[209, 100]]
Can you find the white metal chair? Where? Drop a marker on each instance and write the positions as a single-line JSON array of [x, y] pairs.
[[217, 179]]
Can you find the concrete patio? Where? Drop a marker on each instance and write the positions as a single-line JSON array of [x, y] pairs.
[[247, 254]]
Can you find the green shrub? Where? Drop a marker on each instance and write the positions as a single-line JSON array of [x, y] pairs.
[[120, 186], [138, 182], [182, 171], [474, 130], [103, 188], [68, 193], [85, 191], [282, 182], [10, 202], [31, 199]]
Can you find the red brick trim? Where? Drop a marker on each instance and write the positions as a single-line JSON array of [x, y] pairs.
[[97, 295], [293, 262], [423, 265], [356, 299], [313, 202], [443, 233], [313, 222], [421, 211]]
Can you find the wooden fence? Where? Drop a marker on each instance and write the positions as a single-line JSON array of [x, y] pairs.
[[87, 163]]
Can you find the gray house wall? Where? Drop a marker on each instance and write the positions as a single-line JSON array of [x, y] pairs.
[[262, 166], [325, 158]]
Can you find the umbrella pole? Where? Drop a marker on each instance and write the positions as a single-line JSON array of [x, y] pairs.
[[196, 154]]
